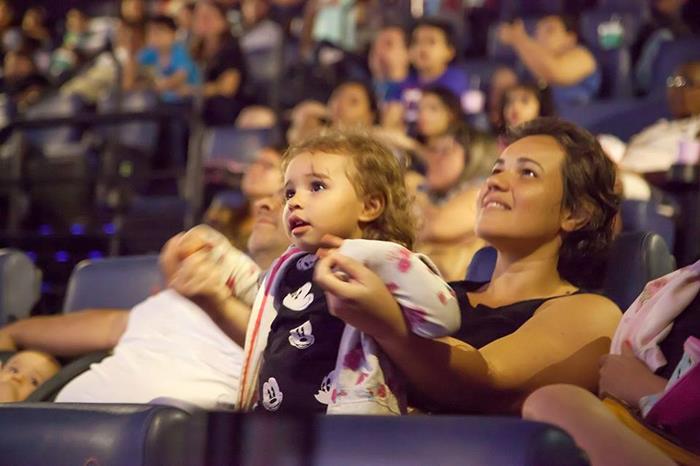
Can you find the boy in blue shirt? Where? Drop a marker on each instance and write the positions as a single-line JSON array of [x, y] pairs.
[[168, 62]]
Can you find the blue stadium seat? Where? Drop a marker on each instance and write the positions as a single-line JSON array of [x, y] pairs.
[[445, 440], [615, 66], [672, 54], [234, 148], [622, 117], [97, 434], [20, 285], [113, 283], [52, 107], [634, 259], [648, 216], [141, 135]]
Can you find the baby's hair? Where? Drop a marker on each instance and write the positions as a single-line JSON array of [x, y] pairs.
[[376, 171]]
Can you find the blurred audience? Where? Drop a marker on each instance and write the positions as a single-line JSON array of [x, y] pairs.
[[525, 102], [35, 27], [221, 61], [306, 119], [439, 113], [21, 82], [502, 78], [657, 147], [353, 105], [556, 57], [389, 63], [256, 117]]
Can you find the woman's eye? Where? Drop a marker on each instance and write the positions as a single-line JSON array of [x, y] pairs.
[[288, 194], [529, 173], [317, 186]]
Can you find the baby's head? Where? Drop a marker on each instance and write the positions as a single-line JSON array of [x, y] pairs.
[[24, 372], [347, 185]]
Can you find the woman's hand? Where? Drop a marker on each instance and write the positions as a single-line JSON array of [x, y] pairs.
[[626, 378], [358, 296]]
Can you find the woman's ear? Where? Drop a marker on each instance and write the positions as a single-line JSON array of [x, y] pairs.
[[372, 208]]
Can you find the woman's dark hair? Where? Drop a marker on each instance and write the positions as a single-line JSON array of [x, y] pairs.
[[589, 186], [368, 91], [543, 94]]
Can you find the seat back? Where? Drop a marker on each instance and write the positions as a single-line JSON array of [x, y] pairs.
[[97, 434], [615, 67], [54, 106], [648, 216], [113, 283], [141, 135], [234, 148], [20, 285], [635, 259]]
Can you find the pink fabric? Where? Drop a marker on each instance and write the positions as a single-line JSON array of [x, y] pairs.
[[677, 409], [650, 317]]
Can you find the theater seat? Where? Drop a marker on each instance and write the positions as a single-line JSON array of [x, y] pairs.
[[634, 259], [113, 283], [648, 216], [20, 285], [87, 434], [388, 440]]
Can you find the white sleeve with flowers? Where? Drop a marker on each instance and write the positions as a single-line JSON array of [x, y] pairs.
[[234, 267], [365, 381]]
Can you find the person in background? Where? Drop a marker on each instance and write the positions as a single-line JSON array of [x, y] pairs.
[[21, 81], [556, 57], [259, 31], [525, 102], [456, 164], [165, 61], [183, 18], [99, 79], [352, 105], [389, 63], [75, 43], [431, 52], [221, 62], [502, 78], [133, 11], [307, 119], [657, 147], [34, 26], [24, 372], [10, 34], [439, 112]]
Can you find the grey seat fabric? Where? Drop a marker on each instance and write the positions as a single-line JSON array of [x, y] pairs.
[[20, 285], [97, 434]]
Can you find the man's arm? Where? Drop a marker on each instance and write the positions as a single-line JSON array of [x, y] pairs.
[[68, 334]]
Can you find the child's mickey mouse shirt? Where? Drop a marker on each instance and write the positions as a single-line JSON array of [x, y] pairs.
[[302, 345]]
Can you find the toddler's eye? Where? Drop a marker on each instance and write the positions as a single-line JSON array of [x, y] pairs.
[[496, 170], [317, 186], [289, 193]]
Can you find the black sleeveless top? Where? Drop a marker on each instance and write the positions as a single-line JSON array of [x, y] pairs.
[[482, 324]]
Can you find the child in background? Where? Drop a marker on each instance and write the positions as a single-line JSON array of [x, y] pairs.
[[75, 43], [300, 357], [525, 102], [168, 61], [431, 51], [23, 373]]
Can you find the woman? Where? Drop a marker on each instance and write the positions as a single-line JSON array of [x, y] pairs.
[[223, 69], [455, 163], [548, 209]]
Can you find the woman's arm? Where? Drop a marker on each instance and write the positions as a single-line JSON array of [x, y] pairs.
[[564, 70], [225, 85], [68, 334], [561, 343]]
